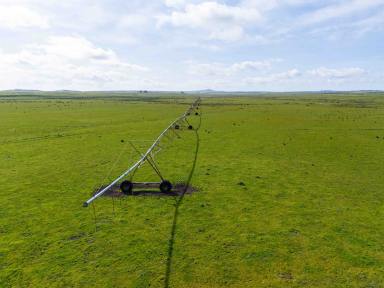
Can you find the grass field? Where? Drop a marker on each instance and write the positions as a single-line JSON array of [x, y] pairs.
[[290, 193]]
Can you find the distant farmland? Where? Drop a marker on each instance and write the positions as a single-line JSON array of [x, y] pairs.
[[287, 191]]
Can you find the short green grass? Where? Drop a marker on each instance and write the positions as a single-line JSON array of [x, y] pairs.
[[290, 193]]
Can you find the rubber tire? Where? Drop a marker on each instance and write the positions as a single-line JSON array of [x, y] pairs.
[[165, 186], [126, 187], [177, 127]]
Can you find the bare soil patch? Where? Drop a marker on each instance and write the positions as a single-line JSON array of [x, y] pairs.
[[178, 189]]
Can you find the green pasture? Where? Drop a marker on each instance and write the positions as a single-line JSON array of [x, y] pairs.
[[290, 192]]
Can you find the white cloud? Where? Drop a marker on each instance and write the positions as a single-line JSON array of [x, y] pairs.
[[254, 65], [133, 20], [220, 69], [332, 19], [75, 48], [337, 73], [175, 3], [276, 78], [221, 21], [371, 23], [208, 69], [264, 5], [66, 62], [339, 10], [21, 17]]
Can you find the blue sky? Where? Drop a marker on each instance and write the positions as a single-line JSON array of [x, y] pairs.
[[259, 45]]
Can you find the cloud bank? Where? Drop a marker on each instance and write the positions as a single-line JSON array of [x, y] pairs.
[[192, 44]]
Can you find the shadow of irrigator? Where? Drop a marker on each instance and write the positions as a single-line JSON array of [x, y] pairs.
[[178, 203]]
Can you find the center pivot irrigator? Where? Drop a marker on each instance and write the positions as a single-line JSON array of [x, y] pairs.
[[165, 186]]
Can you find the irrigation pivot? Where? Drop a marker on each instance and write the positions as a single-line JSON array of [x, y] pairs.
[[165, 186]]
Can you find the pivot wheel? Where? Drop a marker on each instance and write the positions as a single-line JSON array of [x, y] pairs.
[[165, 186], [190, 127], [126, 187]]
